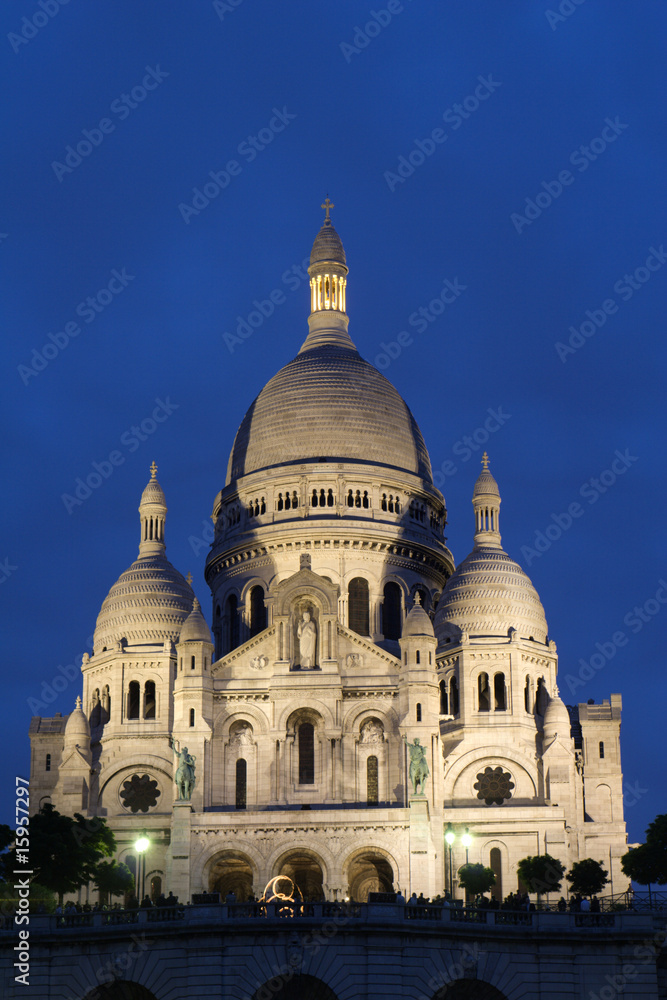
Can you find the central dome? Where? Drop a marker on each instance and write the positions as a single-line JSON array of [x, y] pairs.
[[328, 404]]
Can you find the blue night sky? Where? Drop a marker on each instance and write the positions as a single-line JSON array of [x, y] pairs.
[[514, 153]]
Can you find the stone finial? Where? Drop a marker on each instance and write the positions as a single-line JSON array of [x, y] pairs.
[[485, 460], [305, 560], [153, 469], [418, 598], [189, 579], [78, 701]]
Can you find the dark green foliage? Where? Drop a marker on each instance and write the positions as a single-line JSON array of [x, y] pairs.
[[541, 873], [587, 877]]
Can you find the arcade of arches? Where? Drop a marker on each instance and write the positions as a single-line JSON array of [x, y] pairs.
[[368, 871]]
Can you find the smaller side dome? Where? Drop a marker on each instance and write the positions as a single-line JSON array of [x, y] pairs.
[[77, 730], [556, 719], [417, 622], [195, 628]]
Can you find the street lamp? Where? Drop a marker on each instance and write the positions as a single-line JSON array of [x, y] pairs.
[[466, 840], [141, 845], [450, 837]]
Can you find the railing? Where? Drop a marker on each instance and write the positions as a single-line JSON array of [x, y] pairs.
[[431, 916]]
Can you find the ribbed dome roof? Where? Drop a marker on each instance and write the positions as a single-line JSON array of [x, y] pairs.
[[153, 494], [149, 603], [195, 628], [328, 404], [328, 246], [485, 485], [77, 730], [487, 595], [556, 719], [417, 622]]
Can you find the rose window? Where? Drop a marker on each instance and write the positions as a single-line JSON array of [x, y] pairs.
[[494, 786], [140, 793]]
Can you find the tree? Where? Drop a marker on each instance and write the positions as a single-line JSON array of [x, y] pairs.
[[587, 877], [476, 878], [113, 878], [65, 850], [647, 864], [541, 873]]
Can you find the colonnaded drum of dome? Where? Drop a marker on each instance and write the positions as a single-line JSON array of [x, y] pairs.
[[358, 691]]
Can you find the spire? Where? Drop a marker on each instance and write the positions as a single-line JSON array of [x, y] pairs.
[[486, 504], [152, 514], [328, 289]]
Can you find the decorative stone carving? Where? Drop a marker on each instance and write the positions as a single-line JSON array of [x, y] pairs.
[[242, 736], [185, 774], [258, 662], [419, 769], [372, 731], [354, 660]]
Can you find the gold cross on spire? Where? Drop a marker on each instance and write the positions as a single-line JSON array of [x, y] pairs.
[[153, 470], [328, 205], [418, 598], [485, 461], [189, 578]]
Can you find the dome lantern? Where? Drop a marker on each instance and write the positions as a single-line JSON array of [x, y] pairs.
[[486, 504], [153, 513], [328, 271]]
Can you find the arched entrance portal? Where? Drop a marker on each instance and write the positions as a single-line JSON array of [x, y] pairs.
[[369, 872], [305, 870], [298, 988], [231, 871], [120, 991], [469, 989]]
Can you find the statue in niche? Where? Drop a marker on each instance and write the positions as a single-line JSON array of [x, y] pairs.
[[307, 636], [419, 769], [372, 731]]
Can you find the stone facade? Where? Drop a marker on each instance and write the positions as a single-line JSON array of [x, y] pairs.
[[341, 628]]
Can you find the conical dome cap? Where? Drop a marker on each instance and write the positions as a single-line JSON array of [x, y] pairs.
[[153, 492], [556, 719], [417, 622], [77, 730], [486, 486], [327, 247], [195, 628]]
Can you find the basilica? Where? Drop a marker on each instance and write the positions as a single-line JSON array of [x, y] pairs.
[[364, 714]]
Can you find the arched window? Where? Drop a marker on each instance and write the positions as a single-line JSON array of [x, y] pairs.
[[106, 704], [330, 498], [192, 716], [527, 699], [499, 693], [444, 700], [279, 503], [257, 610], [149, 700], [541, 697], [96, 712], [453, 696], [391, 611], [495, 864], [232, 622], [358, 614], [483, 699], [192, 663], [48, 762], [306, 754], [241, 783], [601, 750], [372, 781], [133, 700], [417, 657], [419, 713]]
